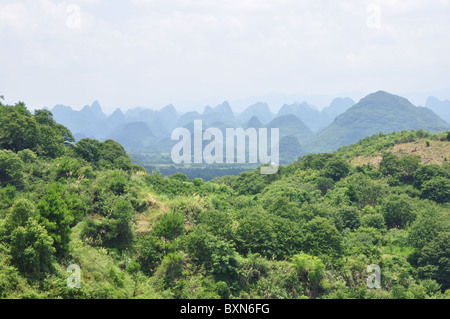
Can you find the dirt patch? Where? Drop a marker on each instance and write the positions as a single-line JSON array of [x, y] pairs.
[[431, 152]]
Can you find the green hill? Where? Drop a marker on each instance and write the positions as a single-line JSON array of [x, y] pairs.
[[291, 125], [377, 112], [308, 231]]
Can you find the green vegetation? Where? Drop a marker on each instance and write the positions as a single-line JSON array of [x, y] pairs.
[[375, 113], [309, 231]]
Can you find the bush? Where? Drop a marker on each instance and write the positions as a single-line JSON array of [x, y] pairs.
[[170, 226], [437, 189], [310, 270], [150, 252]]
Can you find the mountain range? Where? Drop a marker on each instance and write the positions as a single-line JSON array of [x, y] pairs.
[[377, 112], [303, 127]]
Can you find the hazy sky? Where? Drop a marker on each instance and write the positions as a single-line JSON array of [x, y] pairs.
[[128, 53]]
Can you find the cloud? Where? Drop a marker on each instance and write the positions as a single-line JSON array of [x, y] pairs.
[[145, 52]]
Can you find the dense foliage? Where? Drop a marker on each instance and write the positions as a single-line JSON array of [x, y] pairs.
[[309, 231]]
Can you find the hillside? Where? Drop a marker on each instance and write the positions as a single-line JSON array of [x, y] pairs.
[[308, 231], [377, 112], [291, 125], [341, 123]]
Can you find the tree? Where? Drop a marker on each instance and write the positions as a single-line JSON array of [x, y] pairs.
[[427, 226], [150, 252], [324, 184], [171, 269], [111, 150], [216, 255], [19, 214], [170, 226], [11, 167], [118, 182], [18, 129], [366, 191], [31, 249], [122, 214], [336, 169], [434, 260], [254, 233], [56, 217], [7, 196], [89, 150], [311, 271], [398, 211], [437, 189], [27, 156], [347, 217], [373, 221], [408, 166], [390, 164], [322, 237], [426, 172], [51, 142], [315, 161], [45, 118]]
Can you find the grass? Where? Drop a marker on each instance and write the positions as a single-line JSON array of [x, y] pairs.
[[438, 152], [396, 250]]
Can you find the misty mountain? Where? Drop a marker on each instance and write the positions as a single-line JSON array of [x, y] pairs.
[[260, 110], [291, 125], [168, 116], [117, 118], [134, 135], [312, 117], [377, 112], [290, 149], [254, 122], [221, 113], [187, 118], [337, 107], [146, 131], [441, 108], [90, 121]]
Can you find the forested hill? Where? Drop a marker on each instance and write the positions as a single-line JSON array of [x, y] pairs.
[[310, 231], [377, 112], [146, 134]]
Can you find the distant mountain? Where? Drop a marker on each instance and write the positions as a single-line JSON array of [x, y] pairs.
[[225, 110], [188, 117], [293, 126], [289, 149], [377, 112], [221, 113], [134, 135], [254, 122], [90, 121], [168, 116], [260, 110], [145, 131], [337, 107], [441, 108], [312, 117], [309, 114], [117, 118]]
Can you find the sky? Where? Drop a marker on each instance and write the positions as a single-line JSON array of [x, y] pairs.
[[149, 53]]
